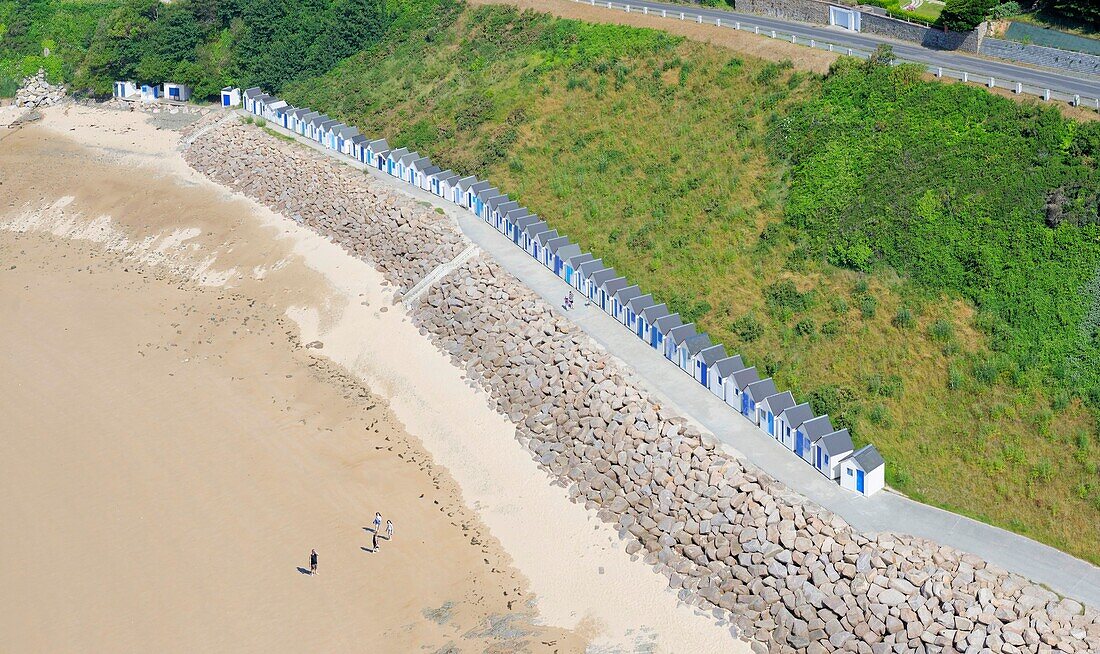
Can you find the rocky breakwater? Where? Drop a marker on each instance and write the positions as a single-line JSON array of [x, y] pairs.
[[790, 575], [402, 238], [36, 92]]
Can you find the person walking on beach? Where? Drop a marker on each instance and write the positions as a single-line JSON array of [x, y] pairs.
[[313, 562], [374, 541], [389, 530], [377, 522]]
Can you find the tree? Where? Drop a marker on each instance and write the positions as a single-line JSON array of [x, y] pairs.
[[965, 15]]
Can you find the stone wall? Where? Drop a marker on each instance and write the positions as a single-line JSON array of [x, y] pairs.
[[806, 11], [1078, 62], [926, 36], [790, 575]]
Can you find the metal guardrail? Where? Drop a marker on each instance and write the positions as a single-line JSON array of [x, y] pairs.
[[938, 71]]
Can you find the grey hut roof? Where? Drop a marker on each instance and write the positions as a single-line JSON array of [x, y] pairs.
[[568, 251], [308, 117], [681, 333], [421, 163], [300, 111], [623, 295], [276, 104], [654, 312], [521, 218], [837, 442], [498, 201], [327, 124], [780, 401], [248, 93], [746, 376], [263, 97], [345, 132], [397, 154], [611, 286], [378, 145], [577, 260], [598, 277], [477, 187], [447, 177], [639, 303], [868, 458], [797, 414], [534, 227], [712, 354], [729, 365], [284, 110], [759, 390], [559, 242], [545, 236], [667, 323], [408, 158], [466, 182], [697, 344], [817, 427], [359, 140], [505, 205], [430, 170], [591, 266]]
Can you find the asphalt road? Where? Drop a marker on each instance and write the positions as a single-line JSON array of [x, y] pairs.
[[978, 67]]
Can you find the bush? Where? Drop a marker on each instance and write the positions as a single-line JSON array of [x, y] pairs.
[[1006, 9], [903, 319], [964, 15], [940, 331], [805, 327], [867, 306], [747, 328], [784, 295], [830, 328], [986, 371]]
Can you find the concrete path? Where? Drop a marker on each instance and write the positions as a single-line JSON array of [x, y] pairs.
[[978, 67], [885, 511]]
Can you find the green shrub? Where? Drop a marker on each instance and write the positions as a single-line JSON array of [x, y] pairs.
[[941, 331], [903, 319], [839, 305], [805, 327], [747, 328], [867, 306], [954, 379], [1006, 9], [784, 295], [986, 372]]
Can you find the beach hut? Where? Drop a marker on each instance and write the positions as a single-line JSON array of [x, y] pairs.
[[676, 337], [580, 279], [326, 133], [428, 180], [393, 161], [314, 125], [607, 293], [250, 96], [271, 107], [789, 422], [704, 359], [414, 171], [634, 308], [342, 138], [470, 196], [645, 319], [563, 255], [573, 264], [770, 407], [735, 387], [127, 90], [811, 431], [515, 223], [404, 165], [528, 231], [358, 143], [829, 452], [551, 259], [372, 153], [231, 96], [458, 191], [755, 393], [481, 201], [294, 117], [541, 238], [491, 206], [149, 93], [177, 92], [499, 213], [319, 127], [661, 328], [595, 281], [304, 122], [691, 347], [864, 471], [720, 372], [621, 297], [447, 182]]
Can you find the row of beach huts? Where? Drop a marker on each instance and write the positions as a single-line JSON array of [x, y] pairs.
[[792, 424]]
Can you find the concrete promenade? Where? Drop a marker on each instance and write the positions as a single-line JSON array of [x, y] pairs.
[[885, 511]]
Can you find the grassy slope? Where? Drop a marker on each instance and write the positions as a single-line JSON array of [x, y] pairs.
[[652, 153]]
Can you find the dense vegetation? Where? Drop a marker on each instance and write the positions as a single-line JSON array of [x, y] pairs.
[[919, 260], [207, 44]]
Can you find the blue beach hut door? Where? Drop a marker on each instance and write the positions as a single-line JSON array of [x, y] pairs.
[[859, 480]]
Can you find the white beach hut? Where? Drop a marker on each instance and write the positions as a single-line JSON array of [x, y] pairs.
[[864, 471], [675, 338], [231, 96], [661, 328], [736, 385], [789, 422], [634, 308], [770, 407], [177, 92], [811, 431], [720, 373], [704, 361], [126, 90], [645, 320], [829, 452]]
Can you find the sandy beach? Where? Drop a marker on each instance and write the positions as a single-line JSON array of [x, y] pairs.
[[202, 390]]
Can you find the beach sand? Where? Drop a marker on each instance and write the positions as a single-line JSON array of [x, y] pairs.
[[190, 419]]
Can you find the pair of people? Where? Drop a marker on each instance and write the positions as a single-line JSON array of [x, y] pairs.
[[568, 301]]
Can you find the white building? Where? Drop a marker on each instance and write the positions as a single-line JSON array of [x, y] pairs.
[[177, 92], [231, 96], [126, 90], [863, 472]]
